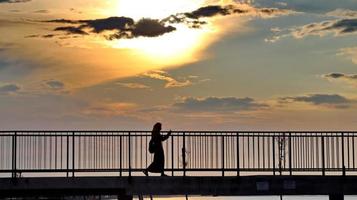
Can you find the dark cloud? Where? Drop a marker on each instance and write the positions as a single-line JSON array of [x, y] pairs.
[[122, 26], [108, 24], [218, 104], [42, 11], [210, 11], [145, 28], [64, 21], [348, 78], [333, 100], [71, 30], [13, 1], [339, 27], [125, 27], [9, 88], [194, 19], [48, 36], [54, 84], [336, 75]]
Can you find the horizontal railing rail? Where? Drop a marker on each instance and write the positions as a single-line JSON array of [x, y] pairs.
[[124, 153]]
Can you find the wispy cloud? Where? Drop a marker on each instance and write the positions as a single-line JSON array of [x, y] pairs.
[[343, 13], [218, 104], [329, 100], [170, 81], [109, 109], [350, 52], [55, 84], [9, 89], [349, 78], [13, 1], [345, 23], [197, 18], [133, 85], [337, 27]]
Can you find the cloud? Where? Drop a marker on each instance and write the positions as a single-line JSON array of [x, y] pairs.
[[336, 27], [349, 78], [145, 28], [309, 6], [54, 84], [133, 85], [350, 53], [194, 19], [9, 89], [218, 104], [14, 1], [330, 100], [71, 30], [110, 109], [123, 27], [339, 27], [341, 76], [343, 13], [170, 82], [42, 11]]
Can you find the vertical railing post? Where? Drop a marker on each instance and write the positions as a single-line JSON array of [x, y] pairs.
[[14, 154], [73, 153], [290, 154], [172, 155], [184, 153], [222, 137], [129, 152], [274, 155], [120, 155], [343, 154], [238, 156], [67, 152], [323, 154]]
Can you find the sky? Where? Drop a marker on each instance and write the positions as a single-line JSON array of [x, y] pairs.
[[190, 64]]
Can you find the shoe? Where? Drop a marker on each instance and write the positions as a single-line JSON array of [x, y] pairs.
[[163, 174], [145, 172]]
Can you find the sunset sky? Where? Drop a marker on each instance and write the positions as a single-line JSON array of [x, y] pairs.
[[190, 64]]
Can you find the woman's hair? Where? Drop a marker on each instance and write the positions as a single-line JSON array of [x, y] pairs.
[[156, 129]]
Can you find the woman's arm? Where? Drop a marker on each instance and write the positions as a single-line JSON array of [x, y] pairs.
[[165, 137]]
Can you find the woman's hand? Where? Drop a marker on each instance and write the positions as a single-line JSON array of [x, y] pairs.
[[169, 133]]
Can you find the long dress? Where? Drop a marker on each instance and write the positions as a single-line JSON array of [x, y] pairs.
[[157, 166]]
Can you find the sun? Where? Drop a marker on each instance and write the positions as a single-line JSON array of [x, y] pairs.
[[155, 9], [182, 46], [171, 49]]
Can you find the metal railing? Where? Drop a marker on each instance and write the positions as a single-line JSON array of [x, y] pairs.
[[226, 153]]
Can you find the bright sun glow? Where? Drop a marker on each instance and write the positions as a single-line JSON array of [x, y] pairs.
[[156, 9], [175, 48], [178, 47]]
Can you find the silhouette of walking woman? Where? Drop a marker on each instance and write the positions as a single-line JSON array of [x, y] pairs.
[[155, 146]]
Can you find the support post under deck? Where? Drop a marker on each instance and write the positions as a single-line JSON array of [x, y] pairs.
[[336, 197]]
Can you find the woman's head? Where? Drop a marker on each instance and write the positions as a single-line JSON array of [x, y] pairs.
[[157, 128]]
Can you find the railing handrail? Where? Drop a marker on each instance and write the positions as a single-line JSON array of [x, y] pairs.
[[176, 131]]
